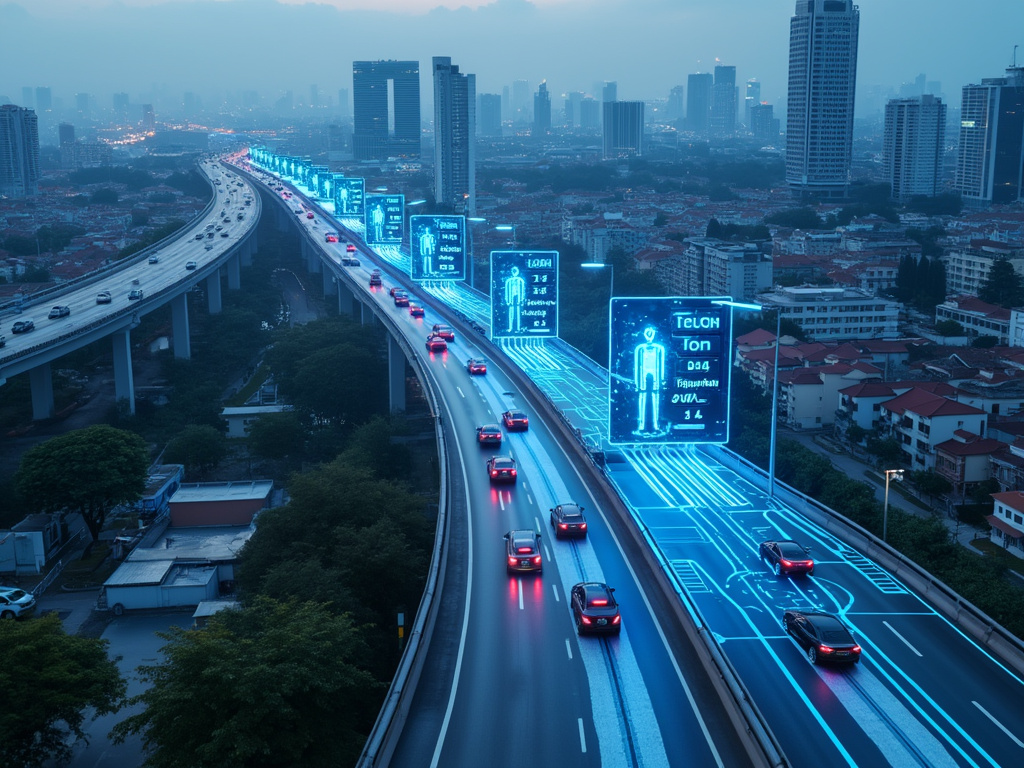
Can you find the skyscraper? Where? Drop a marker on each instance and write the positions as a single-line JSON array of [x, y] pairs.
[[989, 165], [490, 114], [623, 129], [343, 108], [723, 102], [120, 102], [763, 123], [572, 108], [454, 137], [44, 98], [698, 102], [542, 110], [26, 97], [751, 99], [914, 140], [386, 98], [521, 101], [676, 107], [19, 151], [590, 114], [822, 80], [610, 91]]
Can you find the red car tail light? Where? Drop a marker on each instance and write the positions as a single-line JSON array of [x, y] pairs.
[[563, 526], [512, 472], [586, 619], [616, 618], [583, 526], [599, 601], [494, 473], [855, 649], [536, 560], [825, 649], [511, 561], [524, 550], [786, 563]]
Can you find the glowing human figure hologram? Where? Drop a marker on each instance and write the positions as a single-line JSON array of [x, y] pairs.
[[428, 244], [648, 376], [327, 189], [343, 199], [515, 298], [377, 218]]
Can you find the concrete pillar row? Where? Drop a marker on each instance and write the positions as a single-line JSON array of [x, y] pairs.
[[179, 327], [346, 300], [41, 383], [396, 375], [124, 380]]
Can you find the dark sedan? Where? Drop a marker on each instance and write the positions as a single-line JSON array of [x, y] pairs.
[[515, 421], [823, 636], [476, 366], [786, 557], [522, 552], [23, 326], [445, 332], [488, 434], [568, 520], [594, 608], [501, 469]]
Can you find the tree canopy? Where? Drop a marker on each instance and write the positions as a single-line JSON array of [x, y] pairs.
[[89, 471], [199, 447], [1003, 286], [48, 678], [272, 686]]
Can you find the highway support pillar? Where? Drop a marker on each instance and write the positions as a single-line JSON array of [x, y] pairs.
[[124, 381], [313, 263], [330, 283], [41, 382], [365, 314], [234, 267], [346, 300], [179, 327], [213, 297], [247, 251], [396, 375]]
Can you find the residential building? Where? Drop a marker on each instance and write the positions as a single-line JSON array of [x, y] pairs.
[[966, 460], [454, 137], [698, 101], [675, 109], [834, 314], [623, 129], [920, 420], [542, 110], [809, 397], [763, 123], [967, 268], [979, 318], [19, 151], [590, 115], [713, 267], [823, 38], [751, 99], [1007, 521], [989, 164], [489, 111], [373, 136], [723, 102], [861, 404], [913, 146]]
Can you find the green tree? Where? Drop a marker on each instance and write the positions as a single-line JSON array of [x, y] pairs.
[[199, 447], [796, 218], [1003, 286], [277, 435], [929, 483], [888, 451], [105, 196], [274, 685], [48, 678], [89, 471], [984, 342], [949, 328], [855, 433]]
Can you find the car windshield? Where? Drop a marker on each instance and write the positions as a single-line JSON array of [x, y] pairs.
[[516, 415], [792, 550], [489, 428], [502, 463], [836, 636], [15, 594], [571, 517]]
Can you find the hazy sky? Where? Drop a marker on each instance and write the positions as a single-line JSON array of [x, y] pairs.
[[212, 46]]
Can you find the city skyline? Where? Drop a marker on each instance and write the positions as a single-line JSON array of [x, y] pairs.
[[654, 46]]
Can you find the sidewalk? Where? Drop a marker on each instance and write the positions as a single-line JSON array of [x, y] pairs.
[[855, 468]]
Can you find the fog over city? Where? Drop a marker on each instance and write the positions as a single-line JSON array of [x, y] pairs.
[[149, 48]]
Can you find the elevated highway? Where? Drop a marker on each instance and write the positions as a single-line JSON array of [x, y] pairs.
[[111, 301], [677, 532]]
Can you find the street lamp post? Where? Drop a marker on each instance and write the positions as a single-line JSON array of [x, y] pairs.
[[602, 265], [775, 386], [896, 474], [508, 228]]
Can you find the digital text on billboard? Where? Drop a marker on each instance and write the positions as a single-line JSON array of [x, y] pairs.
[[524, 294], [437, 246], [384, 218], [348, 197], [669, 364]]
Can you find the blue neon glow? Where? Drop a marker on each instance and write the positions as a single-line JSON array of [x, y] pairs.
[[385, 219], [437, 247], [669, 371], [524, 294], [348, 197]]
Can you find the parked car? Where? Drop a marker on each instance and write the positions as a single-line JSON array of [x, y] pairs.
[[16, 603]]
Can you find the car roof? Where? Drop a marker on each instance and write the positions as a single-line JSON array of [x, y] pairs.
[[503, 459], [490, 428], [515, 412]]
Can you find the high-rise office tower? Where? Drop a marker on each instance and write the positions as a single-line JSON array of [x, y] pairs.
[[521, 101], [914, 140], [386, 98], [676, 106], [506, 100], [572, 108], [822, 80], [148, 118], [454, 137], [314, 96], [26, 97], [610, 91], [120, 102], [590, 114], [44, 99], [343, 105], [19, 151], [490, 114], [698, 101], [66, 137], [623, 129], [723, 102], [751, 98], [763, 123], [991, 158], [82, 103], [542, 110]]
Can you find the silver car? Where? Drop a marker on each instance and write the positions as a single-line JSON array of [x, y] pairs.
[[15, 603]]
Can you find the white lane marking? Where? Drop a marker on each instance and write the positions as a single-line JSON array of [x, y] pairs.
[[520, 594], [583, 737], [459, 389], [465, 616], [525, 486], [999, 725], [554, 588], [501, 501], [547, 554], [901, 637], [568, 648], [529, 498], [537, 521]]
